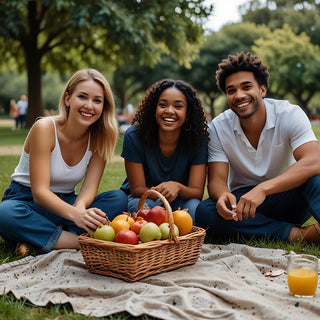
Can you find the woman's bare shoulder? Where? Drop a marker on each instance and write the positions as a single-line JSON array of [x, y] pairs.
[[42, 130]]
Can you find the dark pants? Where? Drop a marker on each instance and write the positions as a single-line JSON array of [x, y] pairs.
[[274, 218]]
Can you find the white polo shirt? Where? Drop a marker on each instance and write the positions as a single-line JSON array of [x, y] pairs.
[[287, 127]]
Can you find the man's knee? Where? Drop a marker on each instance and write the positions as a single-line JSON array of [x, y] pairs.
[[206, 213], [313, 185]]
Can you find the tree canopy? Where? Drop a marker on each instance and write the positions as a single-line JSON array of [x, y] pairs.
[[130, 78], [231, 39], [300, 15], [293, 62], [64, 35]]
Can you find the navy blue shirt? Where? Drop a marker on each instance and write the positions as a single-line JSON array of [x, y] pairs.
[[158, 168]]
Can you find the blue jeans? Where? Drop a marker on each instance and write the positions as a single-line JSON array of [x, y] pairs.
[[23, 220], [177, 203], [274, 218]]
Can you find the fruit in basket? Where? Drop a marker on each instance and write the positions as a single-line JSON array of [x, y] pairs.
[[125, 217], [157, 215], [142, 213], [104, 232], [127, 236], [136, 227], [165, 230], [183, 221], [119, 224], [149, 232]]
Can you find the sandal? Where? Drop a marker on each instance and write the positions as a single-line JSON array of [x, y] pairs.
[[23, 249], [310, 233]]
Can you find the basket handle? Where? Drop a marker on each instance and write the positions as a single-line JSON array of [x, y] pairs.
[[172, 236]]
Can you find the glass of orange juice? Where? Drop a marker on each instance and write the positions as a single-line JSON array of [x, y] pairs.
[[302, 270]]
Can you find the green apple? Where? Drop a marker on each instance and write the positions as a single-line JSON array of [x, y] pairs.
[[165, 228], [105, 232], [150, 231]]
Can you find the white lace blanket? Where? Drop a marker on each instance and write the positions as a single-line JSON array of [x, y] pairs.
[[227, 282]]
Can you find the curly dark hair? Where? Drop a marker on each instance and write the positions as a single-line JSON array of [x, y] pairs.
[[193, 130], [241, 62]]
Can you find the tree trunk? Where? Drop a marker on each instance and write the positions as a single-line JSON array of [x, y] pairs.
[[211, 106], [33, 62], [35, 109]]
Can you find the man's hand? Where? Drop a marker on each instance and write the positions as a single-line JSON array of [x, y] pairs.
[[226, 206], [249, 202]]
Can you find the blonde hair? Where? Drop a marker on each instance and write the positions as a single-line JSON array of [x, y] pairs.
[[104, 132]]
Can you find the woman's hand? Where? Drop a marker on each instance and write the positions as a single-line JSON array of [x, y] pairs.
[[89, 219], [170, 189]]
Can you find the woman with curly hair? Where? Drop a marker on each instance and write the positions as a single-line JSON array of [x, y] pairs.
[[166, 148]]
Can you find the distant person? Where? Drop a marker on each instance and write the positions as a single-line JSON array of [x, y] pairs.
[[22, 105], [166, 147], [264, 161], [14, 113], [130, 108], [40, 208]]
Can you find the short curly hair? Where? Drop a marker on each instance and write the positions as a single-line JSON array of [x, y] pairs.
[[242, 62], [193, 130]]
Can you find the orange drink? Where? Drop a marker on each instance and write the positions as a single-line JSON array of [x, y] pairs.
[[302, 282], [302, 275]]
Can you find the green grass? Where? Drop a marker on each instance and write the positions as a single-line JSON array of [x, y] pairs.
[[10, 137], [13, 309]]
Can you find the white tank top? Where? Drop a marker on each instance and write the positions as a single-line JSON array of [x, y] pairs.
[[63, 178]]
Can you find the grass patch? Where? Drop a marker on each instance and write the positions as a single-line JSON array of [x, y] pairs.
[[10, 137]]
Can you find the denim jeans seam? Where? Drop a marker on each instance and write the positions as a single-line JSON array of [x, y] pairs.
[[52, 240]]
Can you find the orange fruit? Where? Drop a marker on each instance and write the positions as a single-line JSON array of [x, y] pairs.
[[183, 221], [119, 224], [124, 217]]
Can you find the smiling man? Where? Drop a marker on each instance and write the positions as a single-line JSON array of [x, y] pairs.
[[263, 161]]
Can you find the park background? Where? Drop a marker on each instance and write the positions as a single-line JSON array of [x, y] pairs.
[[135, 43]]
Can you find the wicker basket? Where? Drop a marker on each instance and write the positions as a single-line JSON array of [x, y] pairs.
[[134, 262]]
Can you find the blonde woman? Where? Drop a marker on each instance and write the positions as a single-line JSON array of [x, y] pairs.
[[40, 208]]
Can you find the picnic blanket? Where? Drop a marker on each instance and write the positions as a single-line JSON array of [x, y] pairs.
[[227, 282]]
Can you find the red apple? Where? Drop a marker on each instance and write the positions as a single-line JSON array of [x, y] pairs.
[[157, 215], [143, 212], [138, 225], [127, 236]]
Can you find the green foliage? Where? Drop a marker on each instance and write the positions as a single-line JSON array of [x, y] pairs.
[[13, 84], [293, 62], [67, 35], [231, 39], [130, 79], [301, 15]]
